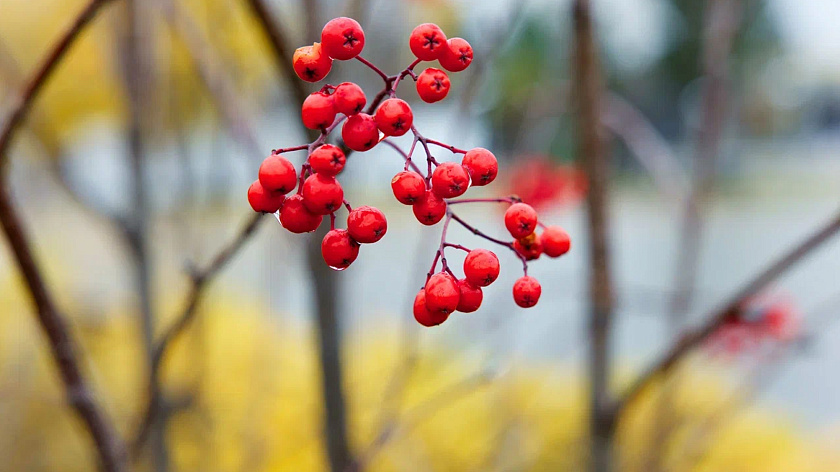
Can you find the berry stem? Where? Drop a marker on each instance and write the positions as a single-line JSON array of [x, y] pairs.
[[457, 246], [407, 157], [408, 71], [347, 205], [375, 69], [510, 200], [477, 232], [289, 149], [447, 146], [332, 221]]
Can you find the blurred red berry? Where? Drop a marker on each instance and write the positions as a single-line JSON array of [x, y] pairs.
[[422, 313], [450, 180], [322, 194], [481, 267], [555, 241], [442, 293], [328, 160], [311, 63], [456, 55], [262, 201], [520, 220], [367, 224], [427, 41], [360, 132], [349, 98], [430, 209], [296, 218], [432, 85], [482, 166], [277, 174], [541, 183], [318, 111], [343, 38], [394, 117], [471, 297], [339, 249], [409, 187], [526, 291]]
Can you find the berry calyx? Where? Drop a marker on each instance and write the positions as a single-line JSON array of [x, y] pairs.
[[318, 111], [481, 267], [526, 291], [366, 224], [427, 41], [311, 63], [555, 241], [482, 165], [296, 218], [456, 55], [423, 315], [327, 160], [343, 38], [360, 132], [442, 293], [450, 180], [262, 201], [394, 117], [409, 187], [520, 220], [530, 246], [339, 249], [322, 194], [349, 98], [430, 209], [277, 174], [432, 85], [471, 297]]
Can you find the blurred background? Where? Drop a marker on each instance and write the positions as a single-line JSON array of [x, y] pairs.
[[721, 121]]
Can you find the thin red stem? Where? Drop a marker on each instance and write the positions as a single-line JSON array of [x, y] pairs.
[[484, 200], [375, 69], [332, 220], [408, 161], [290, 149], [447, 146], [478, 232]]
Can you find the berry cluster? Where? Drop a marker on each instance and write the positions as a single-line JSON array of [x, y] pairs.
[[429, 193]]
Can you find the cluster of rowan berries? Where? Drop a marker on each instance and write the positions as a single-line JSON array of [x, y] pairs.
[[429, 194]]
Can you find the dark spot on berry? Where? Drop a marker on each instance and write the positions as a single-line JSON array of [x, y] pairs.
[[310, 73], [350, 40], [358, 108], [489, 279], [438, 84], [398, 125]]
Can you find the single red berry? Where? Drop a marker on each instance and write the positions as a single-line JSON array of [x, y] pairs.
[[409, 187], [277, 174], [442, 293], [526, 291], [296, 218], [450, 180], [394, 117], [343, 38], [262, 201], [430, 209], [482, 165], [555, 241], [481, 267], [349, 98], [432, 85], [471, 297], [339, 249], [318, 111], [456, 55], [520, 220], [328, 160], [360, 132], [311, 63], [423, 315], [530, 246], [366, 224], [322, 194], [427, 41]]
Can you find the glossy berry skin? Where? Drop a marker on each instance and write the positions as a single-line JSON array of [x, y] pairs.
[[526, 291], [367, 224], [318, 111], [394, 117], [327, 160], [530, 246], [322, 194], [456, 56], [430, 209], [360, 132], [296, 218], [450, 180], [481, 267], [311, 63], [262, 201], [343, 38], [408, 187], [471, 297], [520, 220], [482, 165], [422, 313], [277, 174], [442, 293], [555, 241], [339, 249], [432, 85], [349, 98], [427, 41]]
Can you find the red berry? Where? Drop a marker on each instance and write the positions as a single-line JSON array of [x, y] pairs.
[[366, 224], [311, 63], [526, 291], [277, 174], [339, 249], [456, 55], [328, 160], [422, 313], [482, 165], [394, 117], [318, 111], [530, 246], [349, 98], [427, 41], [520, 220], [360, 132], [450, 180], [322, 194], [471, 297], [555, 241], [432, 85], [442, 293], [481, 267], [343, 38], [262, 201], [430, 209], [408, 187], [296, 218]]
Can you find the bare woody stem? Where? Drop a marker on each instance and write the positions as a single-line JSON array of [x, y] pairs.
[[446, 146], [479, 233], [406, 156]]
